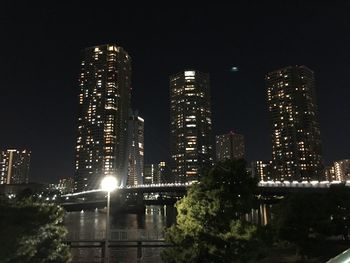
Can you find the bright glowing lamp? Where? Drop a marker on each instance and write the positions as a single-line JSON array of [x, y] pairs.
[[109, 183]]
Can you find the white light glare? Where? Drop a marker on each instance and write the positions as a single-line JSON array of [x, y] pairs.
[[109, 183]]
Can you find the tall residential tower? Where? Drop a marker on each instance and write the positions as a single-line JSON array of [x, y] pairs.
[[135, 149], [104, 100], [296, 142], [14, 166], [190, 116]]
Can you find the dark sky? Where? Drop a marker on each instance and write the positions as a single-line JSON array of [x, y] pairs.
[[40, 57]]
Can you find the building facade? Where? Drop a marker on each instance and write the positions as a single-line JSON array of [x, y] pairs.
[[229, 146], [66, 185], [164, 173], [135, 149], [342, 170], [104, 102], [190, 125], [157, 173], [296, 141], [329, 173], [150, 174], [262, 170], [14, 166]]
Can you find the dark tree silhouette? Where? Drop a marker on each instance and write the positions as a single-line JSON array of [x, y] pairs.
[[32, 232]]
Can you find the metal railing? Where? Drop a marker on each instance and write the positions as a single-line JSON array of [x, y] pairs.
[[117, 235]]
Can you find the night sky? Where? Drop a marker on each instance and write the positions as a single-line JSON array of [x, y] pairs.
[[40, 62]]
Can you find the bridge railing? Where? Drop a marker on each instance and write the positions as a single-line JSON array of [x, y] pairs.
[[118, 235], [142, 186], [81, 236], [137, 234], [303, 184]]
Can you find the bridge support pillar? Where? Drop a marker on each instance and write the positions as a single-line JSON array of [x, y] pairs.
[[103, 247], [139, 251]]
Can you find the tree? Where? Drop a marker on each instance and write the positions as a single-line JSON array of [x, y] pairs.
[[295, 219], [339, 210], [210, 225], [32, 232], [308, 219]]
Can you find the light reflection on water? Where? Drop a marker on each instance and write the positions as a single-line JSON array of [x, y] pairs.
[[93, 223]]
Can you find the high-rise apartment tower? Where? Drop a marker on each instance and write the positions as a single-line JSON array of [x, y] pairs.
[[104, 102], [190, 116], [14, 166], [135, 149], [296, 141]]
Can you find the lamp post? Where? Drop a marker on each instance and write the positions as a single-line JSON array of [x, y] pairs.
[[108, 184]]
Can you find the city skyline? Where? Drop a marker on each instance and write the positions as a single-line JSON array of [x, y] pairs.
[[39, 77]]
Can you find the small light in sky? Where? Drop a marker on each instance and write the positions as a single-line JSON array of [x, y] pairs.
[[234, 69]]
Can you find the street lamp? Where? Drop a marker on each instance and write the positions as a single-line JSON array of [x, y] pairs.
[[108, 184]]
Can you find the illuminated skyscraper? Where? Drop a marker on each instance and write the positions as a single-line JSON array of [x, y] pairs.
[[190, 116], [296, 142], [229, 146], [135, 149], [14, 167], [104, 99]]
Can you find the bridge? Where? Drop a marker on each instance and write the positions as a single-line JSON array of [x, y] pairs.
[[167, 194], [143, 188], [136, 197], [179, 187]]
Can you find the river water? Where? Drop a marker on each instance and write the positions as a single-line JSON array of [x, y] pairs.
[[90, 224]]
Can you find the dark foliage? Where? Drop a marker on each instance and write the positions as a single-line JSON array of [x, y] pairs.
[[32, 232]]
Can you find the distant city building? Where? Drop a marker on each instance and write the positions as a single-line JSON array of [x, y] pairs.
[[296, 141], [330, 173], [150, 174], [262, 170], [104, 99], [229, 146], [66, 185], [157, 173], [190, 124], [135, 149], [342, 170], [14, 166], [164, 173]]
